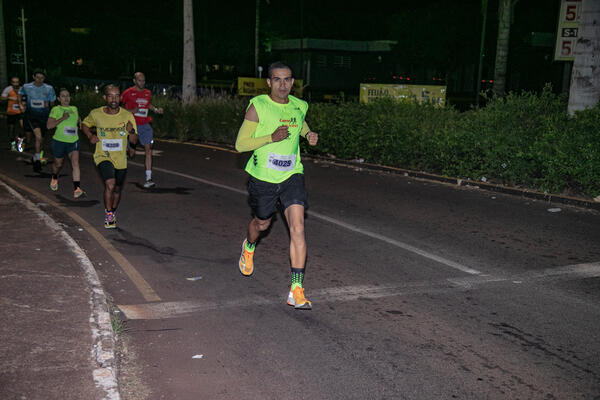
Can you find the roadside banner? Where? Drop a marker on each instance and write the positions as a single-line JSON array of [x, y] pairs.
[[256, 86], [420, 93]]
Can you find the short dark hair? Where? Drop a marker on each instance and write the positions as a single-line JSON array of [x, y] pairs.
[[63, 89], [108, 87], [39, 71], [278, 65]]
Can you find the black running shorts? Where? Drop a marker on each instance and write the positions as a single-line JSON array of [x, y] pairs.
[[32, 121], [12, 119], [264, 195], [108, 171]]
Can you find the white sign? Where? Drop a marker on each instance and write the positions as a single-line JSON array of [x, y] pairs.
[[568, 30]]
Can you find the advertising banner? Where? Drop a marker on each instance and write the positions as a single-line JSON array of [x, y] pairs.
[[256, 86], [420, 93]]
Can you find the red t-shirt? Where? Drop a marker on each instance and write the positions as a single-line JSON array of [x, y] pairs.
[[132, 98]]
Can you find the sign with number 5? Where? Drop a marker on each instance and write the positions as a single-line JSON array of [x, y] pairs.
[[567, 33]]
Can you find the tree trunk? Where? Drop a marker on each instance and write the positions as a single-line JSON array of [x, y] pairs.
[[504, 11], [189, 54], [3, 60], [585, 78]]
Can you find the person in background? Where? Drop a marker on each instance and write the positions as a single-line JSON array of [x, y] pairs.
[[14, 114], [114, 127], [37, 98], [138, 100], [65, 118]]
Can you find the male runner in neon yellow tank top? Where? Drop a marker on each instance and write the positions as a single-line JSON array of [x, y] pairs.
[[272, 128]]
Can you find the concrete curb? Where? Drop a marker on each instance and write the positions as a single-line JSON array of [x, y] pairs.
[[103, 349]]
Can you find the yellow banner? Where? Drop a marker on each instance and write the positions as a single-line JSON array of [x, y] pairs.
[[256, 86], [419, 93]]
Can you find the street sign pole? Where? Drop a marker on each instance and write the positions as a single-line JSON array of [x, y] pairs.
[[481, 46], [25, 77]]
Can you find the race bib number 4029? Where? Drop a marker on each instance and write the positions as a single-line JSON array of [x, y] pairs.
[[112, 144], [280, 162]]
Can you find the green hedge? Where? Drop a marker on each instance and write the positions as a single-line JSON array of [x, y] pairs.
[[523, 139]]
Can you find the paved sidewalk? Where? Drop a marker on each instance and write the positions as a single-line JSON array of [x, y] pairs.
[[55, 337]]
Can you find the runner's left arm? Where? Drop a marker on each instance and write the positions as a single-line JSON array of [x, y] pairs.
[[51, 97], [312, 137], [132, 131]]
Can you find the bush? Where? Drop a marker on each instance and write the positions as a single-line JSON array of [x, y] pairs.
[[215, 118], [523, 139], [86, 101]]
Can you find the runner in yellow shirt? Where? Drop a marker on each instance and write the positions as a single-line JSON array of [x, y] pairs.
[[114, 126], [272, 128]]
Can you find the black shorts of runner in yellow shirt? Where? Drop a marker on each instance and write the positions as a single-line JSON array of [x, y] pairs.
[[265, 195], [108, 171]]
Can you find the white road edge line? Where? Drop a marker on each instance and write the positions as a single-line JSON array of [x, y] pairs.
[[342, 224], [103, 352]]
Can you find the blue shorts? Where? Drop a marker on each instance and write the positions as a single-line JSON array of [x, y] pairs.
[[59, 149], [265, 195], [145, 134]]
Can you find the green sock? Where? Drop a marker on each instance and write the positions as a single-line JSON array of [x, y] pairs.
[[250, 246], [297, 277]]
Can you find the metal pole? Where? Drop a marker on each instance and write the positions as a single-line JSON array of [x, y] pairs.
[[302, 70], [256, 36], [479, 72], [25, 78]]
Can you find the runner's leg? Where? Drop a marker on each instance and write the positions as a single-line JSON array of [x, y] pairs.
[[294, 215], [74, 157]]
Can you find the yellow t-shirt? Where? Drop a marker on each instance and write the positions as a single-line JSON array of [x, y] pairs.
[[112, 134]]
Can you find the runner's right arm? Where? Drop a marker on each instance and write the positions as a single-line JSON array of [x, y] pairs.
[[5, 93], [247, 142], [87, 123], [54, 119]]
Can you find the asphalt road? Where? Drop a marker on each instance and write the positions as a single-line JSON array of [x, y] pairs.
[[420, 290]]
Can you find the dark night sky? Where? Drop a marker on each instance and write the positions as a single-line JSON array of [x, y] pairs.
[[149, 33]]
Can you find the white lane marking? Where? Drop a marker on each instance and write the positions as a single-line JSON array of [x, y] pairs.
[[177, 309], [342, 224], [397, 243], [101, 328], [584, 270]]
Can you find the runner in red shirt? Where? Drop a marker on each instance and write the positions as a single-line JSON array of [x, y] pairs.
[[138, 100]]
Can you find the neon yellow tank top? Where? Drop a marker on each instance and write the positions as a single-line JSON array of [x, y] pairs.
[[276, 162]]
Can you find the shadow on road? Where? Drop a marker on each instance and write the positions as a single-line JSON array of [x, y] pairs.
[[175, 190], [75, 202]]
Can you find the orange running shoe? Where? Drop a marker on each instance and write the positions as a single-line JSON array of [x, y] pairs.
[[296, 298], [246, 262]]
